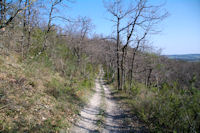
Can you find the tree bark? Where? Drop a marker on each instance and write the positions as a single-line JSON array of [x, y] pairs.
[[3, 11], [24, 22], [29, 24], [1, 8], [132, 65], [148, 78], [118, 65], [48, 28], [124, 51]]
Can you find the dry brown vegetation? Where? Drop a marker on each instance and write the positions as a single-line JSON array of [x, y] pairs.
[[31, 101]]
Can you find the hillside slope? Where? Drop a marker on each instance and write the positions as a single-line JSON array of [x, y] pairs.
[[186, 57], [35, 98]]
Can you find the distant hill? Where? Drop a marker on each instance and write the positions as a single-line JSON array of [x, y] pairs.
[[185, 57]]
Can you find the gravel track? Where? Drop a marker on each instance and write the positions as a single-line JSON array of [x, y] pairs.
[[91, 118]]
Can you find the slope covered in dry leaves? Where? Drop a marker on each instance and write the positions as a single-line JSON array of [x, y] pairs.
[[35, 98]]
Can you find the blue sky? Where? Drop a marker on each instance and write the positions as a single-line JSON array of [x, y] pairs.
[[180, 31]]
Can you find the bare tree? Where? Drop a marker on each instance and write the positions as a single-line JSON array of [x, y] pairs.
[[78, 32], [133, 57], [51, 17], [5, 22], [115, 9], [130, 21]]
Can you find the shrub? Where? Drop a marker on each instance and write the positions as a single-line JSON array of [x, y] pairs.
[[168, 109]]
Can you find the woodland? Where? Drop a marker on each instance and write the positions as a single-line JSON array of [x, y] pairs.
[[47, 71]]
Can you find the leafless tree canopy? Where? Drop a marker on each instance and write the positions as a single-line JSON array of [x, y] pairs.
[[132, 24]]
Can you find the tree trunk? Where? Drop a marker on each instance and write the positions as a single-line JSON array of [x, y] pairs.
[[3, 11], [148, 78], [48, 28], [1, 8], [133, 58], [118, 65], [124, 52], [132, 65], [29, 24], [24, 22]]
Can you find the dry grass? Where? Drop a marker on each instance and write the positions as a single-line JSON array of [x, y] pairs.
[[25, 104]]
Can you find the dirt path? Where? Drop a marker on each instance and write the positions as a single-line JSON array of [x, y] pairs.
[[115, 119], [88, 118], [102, 114], [88, 115]]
